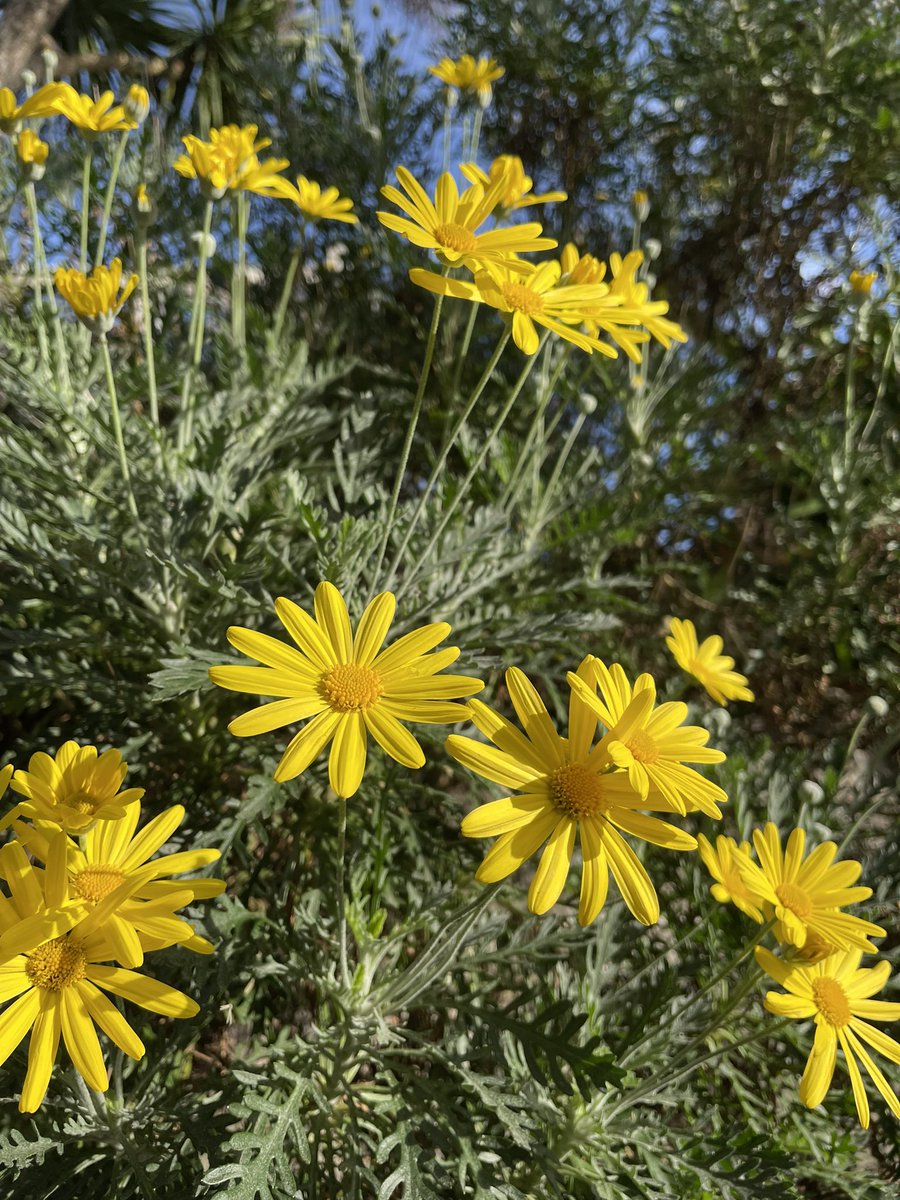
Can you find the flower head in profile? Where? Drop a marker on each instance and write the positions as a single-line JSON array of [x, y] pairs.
[[347, 684], [58, 986], [564, 787], [449, 225], [807, 896], [32, 154], [74, 788], [229, 162], [137, 103], [41, 103], [96, 298], [528, 295], [729, 886], [508, 170], [706, 662], [313, 202], [89, 116], [861, 281], [836, 993], [114, 858], [468, 74], [635, 317], [660, 746]]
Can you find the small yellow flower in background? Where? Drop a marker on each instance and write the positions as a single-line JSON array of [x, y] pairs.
[[73, 789], [529, 295], [96, 298], [862, 283], [729, 887], [229, 162], [580, 268], [32, 154], [636, 306], [806, 897], [565, 786], [329, 205], [467, 74], [112, 855], [448, 226], [659, 746], [41, 104], [836, 994], [706, 662], [90, 116], [57, 983], [137, 104], [143, 208], [347, 684], [508, 169]]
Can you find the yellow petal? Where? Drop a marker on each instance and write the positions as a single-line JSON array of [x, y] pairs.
[[820, 1066], [140, 989], [347, 760], [594, 872], [307, 745], [272, 653], [859, 1091], [16, 1020], [334, 620], [81, 1040], [154, 834], [502, 816], [553, 868], [110, 1020], [41, 1053], [632, 880], [651, 829], [373, 628], [878, 1038], [411, 646], [790, 1006], [490, 763], [512, 849], [276, 715], [306, 633], [393, 738], [535, 719]]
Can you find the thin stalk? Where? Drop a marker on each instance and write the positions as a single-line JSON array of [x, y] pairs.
[[339, 886], [110, 192], [85, 205], [445, 452], [38, 283], [62, 364], [117, 429], [148, 328], [558, 469], [448, 127], [476, 466], [464, 349], [198, 323], [543, 403], [287, 290], [410, 433], [241, 211], [476, 134]]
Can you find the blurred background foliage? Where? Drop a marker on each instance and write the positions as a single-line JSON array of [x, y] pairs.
[[748, 481]]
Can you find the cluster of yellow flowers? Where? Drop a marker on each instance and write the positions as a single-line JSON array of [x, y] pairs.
[[76, 926]]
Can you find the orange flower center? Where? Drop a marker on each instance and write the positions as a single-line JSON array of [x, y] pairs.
[[456, 237], [794, 898], [831, 1001], [350, 686], [522, 298], [82, 802], [96, 883], [578, 791], [643, 747], [56, 965]]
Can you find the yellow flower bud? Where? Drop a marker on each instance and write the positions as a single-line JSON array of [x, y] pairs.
[[862, 282], [137, 103], [640, 205], [32, 153]]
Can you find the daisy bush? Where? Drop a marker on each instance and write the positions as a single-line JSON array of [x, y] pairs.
[[399, 797]]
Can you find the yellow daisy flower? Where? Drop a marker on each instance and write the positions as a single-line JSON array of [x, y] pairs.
[[96, 298], [347, 684], [729, 887], [636, 309], [660, 746], [90, 116], [861, 282], [807, 897], [508, 169], [448, 225], [706, 662], [229, 162], [73, 789], [617, 321], [58, 987], [317, 205], [110, 855], [566, 786], [467, 74], [836, 994], [41, 103], [529, 296], [32, 154]]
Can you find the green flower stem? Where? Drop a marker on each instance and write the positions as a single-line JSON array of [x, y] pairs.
[[198, 324], [339, 888], [445, 452], [287, 290], [410, 433], [37, 312], [733, 962], [558, 469], [531, 439], [448, 126], [464, 349], [40, 259], [476, 134], [117, 429], [148, 327], [241, 211], [477, 465], [85, 206], [110, 192]]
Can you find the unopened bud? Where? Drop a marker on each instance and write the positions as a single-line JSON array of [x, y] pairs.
[[878, 706], [137, 103], [640, 205], [810, 792], [143, 210], [29, 79], [197, 239], [587, 403], [653, 249], [51, 62]]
